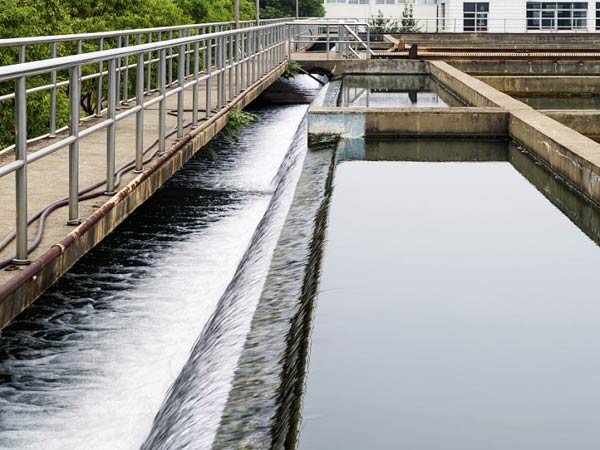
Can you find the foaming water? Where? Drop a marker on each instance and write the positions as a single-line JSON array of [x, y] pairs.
[[191, 414], [88, 366]]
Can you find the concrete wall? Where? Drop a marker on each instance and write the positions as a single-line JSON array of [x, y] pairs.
[[505, 40], [584, 122], [366, 66], [353, 123], [545, 85], [574, 157], [532, 67]]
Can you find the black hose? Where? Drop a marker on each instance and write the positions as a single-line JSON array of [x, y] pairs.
[[85, 194]]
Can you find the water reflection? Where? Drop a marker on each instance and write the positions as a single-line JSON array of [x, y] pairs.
[[385, 91], [455, 308]]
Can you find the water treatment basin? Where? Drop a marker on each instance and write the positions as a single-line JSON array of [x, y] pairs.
[[454, 310], [395, 91]]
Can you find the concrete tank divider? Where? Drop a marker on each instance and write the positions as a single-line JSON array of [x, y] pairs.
[[353, 123], [560, 86], [571, 155], [586, 122], [479, 67]]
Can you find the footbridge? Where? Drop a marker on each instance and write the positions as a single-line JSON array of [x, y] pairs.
[[102, 120]]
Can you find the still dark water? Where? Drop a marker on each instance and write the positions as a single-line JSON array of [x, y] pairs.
[[457, 309]]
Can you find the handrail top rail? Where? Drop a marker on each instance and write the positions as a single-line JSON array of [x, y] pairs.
[[13, 42], [64, 62]]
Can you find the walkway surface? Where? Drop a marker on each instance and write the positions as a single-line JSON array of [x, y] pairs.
[[48, 177]]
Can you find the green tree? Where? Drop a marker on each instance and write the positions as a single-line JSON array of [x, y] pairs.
[[272, 9], [408, 22]]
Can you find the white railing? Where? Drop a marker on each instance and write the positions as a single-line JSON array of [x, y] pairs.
[[233, 60], [141, 73], [394, 25]]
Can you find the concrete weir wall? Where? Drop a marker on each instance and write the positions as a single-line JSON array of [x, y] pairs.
[[515, 67], [584, 121], [568, 153], [352, 123], [33, 280], [571, 155], [558, 86]]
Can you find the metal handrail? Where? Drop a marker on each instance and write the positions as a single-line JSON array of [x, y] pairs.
[[65, 62], [235, 59], [344, 33], [16, 42]]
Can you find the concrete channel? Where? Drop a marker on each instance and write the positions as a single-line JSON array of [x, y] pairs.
[[555, 137], [246, 383], [21, 287]]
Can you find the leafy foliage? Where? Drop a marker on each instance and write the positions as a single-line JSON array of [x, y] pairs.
[[293, 70], [272, 9], [238, 120], [408, 22], [22, 18], [380, 24]]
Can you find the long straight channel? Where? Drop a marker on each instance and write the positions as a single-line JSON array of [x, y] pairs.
[[89, 365]]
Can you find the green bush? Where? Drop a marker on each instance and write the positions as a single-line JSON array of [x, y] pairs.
[[21, 18]]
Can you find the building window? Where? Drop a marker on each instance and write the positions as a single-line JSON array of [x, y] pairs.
[[556, 16], [598, 16], [475, 16]]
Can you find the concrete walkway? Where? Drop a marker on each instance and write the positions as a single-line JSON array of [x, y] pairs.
[[48, 177]]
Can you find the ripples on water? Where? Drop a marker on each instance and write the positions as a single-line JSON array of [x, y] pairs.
[[88, 366]]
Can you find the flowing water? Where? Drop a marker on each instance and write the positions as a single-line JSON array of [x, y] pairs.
[[91, 363]]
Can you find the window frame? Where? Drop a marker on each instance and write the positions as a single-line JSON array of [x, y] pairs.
[[556, 16], [475, 16]]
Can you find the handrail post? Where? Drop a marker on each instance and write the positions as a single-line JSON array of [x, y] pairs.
[[21, 173], [74, 113], [231, 70], [208, 69], [118, 73], [180, 93], [111, 131], [220, 73], [170, 79], [100, 71], [149, 82], [196, 85], [369, 41], [162, 108], [53, 79], [139, 116]]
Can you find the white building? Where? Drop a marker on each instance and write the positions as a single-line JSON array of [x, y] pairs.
[[513, 16]]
